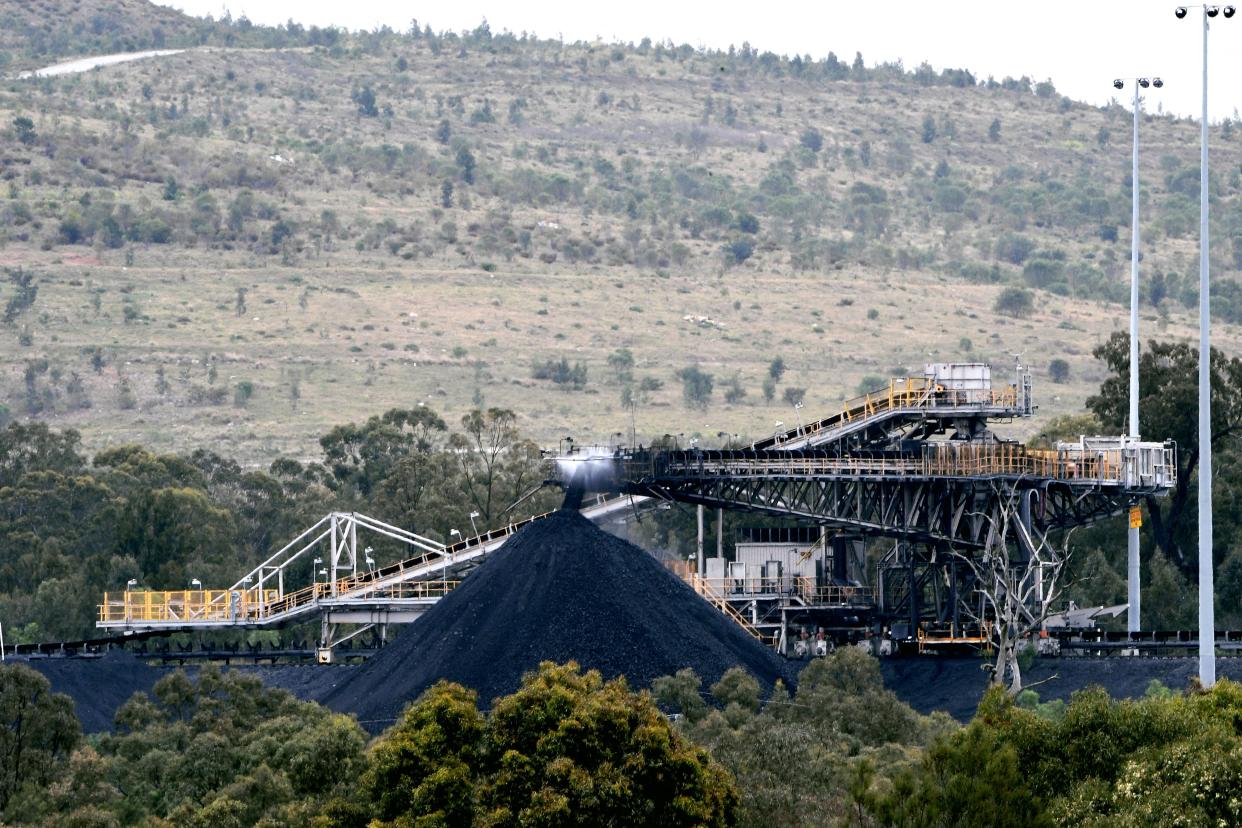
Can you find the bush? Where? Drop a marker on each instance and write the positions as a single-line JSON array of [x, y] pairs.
[[747, 223], [1048, 274], [793, 396], [739, 250], [1014, 248], [1015, 301], [1058, 370], [561, 372], [696, 386]]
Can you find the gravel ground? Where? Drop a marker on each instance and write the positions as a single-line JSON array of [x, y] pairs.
[[560, 589]]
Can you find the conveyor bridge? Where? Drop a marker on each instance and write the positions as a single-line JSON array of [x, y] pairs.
[[915, 462]]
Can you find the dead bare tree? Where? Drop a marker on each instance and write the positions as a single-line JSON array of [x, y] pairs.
[[1019, 577]]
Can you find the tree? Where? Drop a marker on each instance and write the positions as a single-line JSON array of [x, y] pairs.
[[793, 396], [24, 129], [25, 291], [498, 465], [1015, 301], [1058, 370], [361, 456], [776, 368], [696, 386], [739, 250], [365, 98], [1168, 383], [621, 361], [812, 139], [37, 730], [747, 223], [565, 749], [465, 163], [446, 195], [444, 132], [929, 128], [994, 130]]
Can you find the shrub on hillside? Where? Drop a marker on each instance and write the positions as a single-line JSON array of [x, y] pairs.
[[1015, 301]]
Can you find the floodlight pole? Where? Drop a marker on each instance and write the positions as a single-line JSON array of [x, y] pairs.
[[1133, 572], [1207, 619]]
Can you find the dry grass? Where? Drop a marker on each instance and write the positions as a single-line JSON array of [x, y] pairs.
[[350, 351]]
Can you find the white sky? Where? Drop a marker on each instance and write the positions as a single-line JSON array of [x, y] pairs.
[[1081, 45]]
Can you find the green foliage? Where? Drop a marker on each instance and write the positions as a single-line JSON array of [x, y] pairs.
[[37, 733], [565, 749], [739, 250], [69, 530], [804, 761], [1058, 370], [1168, 385], [24, 293], [696, 386], [1014, 301], [224, 750], [793, 395], [1014, 248], [561, 372], [24, 130]]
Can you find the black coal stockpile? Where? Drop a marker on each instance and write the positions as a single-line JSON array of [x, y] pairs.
[[559, 590]]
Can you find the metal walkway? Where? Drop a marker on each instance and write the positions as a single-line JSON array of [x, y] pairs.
[[947, 395], [359, 594]]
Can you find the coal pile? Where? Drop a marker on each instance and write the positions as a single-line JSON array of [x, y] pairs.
[[98, 686], [559, 590]]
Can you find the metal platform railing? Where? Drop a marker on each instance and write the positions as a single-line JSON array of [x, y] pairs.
[[417, 579], [907, 394], [705, 588], [209, 607], [1119, 463]]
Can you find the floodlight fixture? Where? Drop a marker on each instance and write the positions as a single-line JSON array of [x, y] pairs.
[[196, 583], [1180, 11], [1229, 11], [131, 583], [1156, 82], [1119, 84], [1144, 82], [1212, 11]]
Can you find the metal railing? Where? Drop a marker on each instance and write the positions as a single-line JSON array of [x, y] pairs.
[[833, 594], [403, 580], [704, 588], [1137, 465], [904, 394], [802, 586], [209, 606]]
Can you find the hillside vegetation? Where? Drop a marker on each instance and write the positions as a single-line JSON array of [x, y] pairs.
[[283, 229]]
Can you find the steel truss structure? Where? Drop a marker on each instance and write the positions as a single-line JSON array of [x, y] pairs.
[[915, 463]]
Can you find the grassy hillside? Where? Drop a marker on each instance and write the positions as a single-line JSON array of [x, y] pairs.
[[238, 247]]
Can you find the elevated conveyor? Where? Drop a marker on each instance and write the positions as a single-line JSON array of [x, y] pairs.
[[360, 594], [958, 396]]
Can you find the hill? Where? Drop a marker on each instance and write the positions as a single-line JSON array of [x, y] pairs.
[[240, 246]]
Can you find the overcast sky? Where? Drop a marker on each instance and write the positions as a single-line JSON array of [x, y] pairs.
[[1082, 45]]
